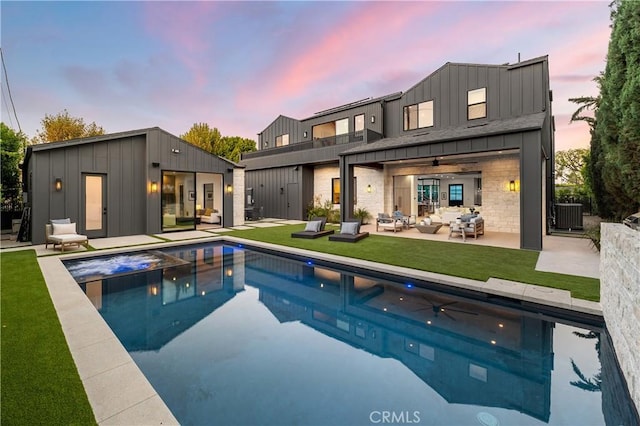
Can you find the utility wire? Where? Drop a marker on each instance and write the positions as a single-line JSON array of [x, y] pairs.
[[6, 77]]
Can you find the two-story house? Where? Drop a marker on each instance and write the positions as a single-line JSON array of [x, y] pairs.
[[469, 135]]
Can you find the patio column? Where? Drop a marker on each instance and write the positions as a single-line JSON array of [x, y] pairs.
[[346, 189], [531, 214]]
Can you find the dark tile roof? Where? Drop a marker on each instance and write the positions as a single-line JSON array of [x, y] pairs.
[[496, 127]]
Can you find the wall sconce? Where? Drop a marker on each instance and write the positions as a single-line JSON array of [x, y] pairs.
[[154, 187], [265, 144], [373, 119], [281, 190], [304, 134], [155, 165], [512, 185], [58, 184], [229, 272], [229, 188], [369, 189], [175, 150]]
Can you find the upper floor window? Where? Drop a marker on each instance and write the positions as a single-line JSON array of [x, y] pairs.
[[330, 129], [358, 123], [282, 140], [418, 116], [477, 103]]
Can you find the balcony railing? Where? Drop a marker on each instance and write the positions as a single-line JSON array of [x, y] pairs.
[[316, 143]]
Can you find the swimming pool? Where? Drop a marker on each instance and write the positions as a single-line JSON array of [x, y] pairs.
[[235, 336]]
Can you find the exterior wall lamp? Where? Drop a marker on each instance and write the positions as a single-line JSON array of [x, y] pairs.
[[373, 119], [229, 188], [58, 184], [512, 185], [369, 189], [154, 187], [304, 134]]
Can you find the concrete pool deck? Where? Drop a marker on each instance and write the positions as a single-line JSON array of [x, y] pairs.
[[121, 395]]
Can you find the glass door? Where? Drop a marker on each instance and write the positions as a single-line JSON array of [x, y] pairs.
[[94, 215]]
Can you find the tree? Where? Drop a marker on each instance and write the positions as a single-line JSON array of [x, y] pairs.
[[615, 147], [12, 146], [229, 147], [570, 165], [62, 127], [234, 146], [203, 136]]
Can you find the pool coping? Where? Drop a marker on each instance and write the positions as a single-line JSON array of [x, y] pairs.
[[118, 391]]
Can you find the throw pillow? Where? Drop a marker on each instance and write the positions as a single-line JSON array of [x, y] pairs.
[[64, 228], [350, 228], [207, 212], [313, 226], [67, 220]]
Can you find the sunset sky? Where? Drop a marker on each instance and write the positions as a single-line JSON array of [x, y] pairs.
[[238, 65]]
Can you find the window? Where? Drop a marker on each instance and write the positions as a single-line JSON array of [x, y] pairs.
[[477, 103], [358, 123], [418, 116], [282, 140], [455, 195], [342, 126], [335, 190]]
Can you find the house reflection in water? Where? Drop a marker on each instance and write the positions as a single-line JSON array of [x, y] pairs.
[[176, 297], [470, 353]]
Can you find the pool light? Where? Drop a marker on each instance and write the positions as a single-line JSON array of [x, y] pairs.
[[409, 285]]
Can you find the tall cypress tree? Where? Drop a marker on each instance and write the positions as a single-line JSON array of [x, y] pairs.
[[615, 147]]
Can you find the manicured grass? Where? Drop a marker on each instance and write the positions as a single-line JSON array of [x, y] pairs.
[[40, 383], [461, 260]]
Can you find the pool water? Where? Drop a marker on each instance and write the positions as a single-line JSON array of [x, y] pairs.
[[231, 336]]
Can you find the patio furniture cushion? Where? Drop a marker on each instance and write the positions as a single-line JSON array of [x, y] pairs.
[[349, 228], [63, 228], [313, 226], [55, 221]]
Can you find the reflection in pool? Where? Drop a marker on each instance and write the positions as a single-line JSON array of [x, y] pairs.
[[235, 336]]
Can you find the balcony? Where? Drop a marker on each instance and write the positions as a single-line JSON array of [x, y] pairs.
[[346, 138]]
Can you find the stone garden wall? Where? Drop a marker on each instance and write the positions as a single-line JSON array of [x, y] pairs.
[[620, 298]]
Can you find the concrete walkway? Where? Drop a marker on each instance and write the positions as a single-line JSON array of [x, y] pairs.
[[121, 395]]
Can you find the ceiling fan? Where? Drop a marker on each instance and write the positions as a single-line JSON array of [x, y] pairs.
[[436, 162], [440, 309]]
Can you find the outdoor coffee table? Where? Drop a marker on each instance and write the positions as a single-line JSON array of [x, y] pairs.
[[429, 229]]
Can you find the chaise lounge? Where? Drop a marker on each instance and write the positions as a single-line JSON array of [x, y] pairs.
[[63, 233], [313, 229], [349, 232]]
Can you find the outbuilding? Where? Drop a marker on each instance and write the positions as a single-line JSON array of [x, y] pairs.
[[144, 181]]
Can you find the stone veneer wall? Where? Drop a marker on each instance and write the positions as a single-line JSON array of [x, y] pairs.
[[620, 298], [372, 201], [500, 207], [238, 197]]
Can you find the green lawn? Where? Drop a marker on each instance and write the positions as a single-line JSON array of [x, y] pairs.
[[461, 260], [40, 384]]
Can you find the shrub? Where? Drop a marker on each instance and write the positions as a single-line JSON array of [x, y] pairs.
[[362, 214]]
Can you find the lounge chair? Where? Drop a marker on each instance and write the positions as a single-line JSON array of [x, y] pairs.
[[314, 229], [63, 233], [349, 232], [387, 223]]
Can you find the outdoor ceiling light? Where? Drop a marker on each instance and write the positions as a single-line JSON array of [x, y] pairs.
[[58, 184]]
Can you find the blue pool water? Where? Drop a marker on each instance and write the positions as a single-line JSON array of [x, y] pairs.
[[230, 336]]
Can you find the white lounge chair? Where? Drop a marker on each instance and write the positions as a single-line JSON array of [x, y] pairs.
[[64, 235]]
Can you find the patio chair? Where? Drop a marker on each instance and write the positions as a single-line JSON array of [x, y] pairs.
[[388, 223], [314, 229], [349, 232], [63, 233]]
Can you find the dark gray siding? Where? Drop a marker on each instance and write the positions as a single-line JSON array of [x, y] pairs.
[[270, 190], [281, 126], [119, 160]]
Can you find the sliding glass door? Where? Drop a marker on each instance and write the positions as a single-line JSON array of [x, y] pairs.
[[178, 201]]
